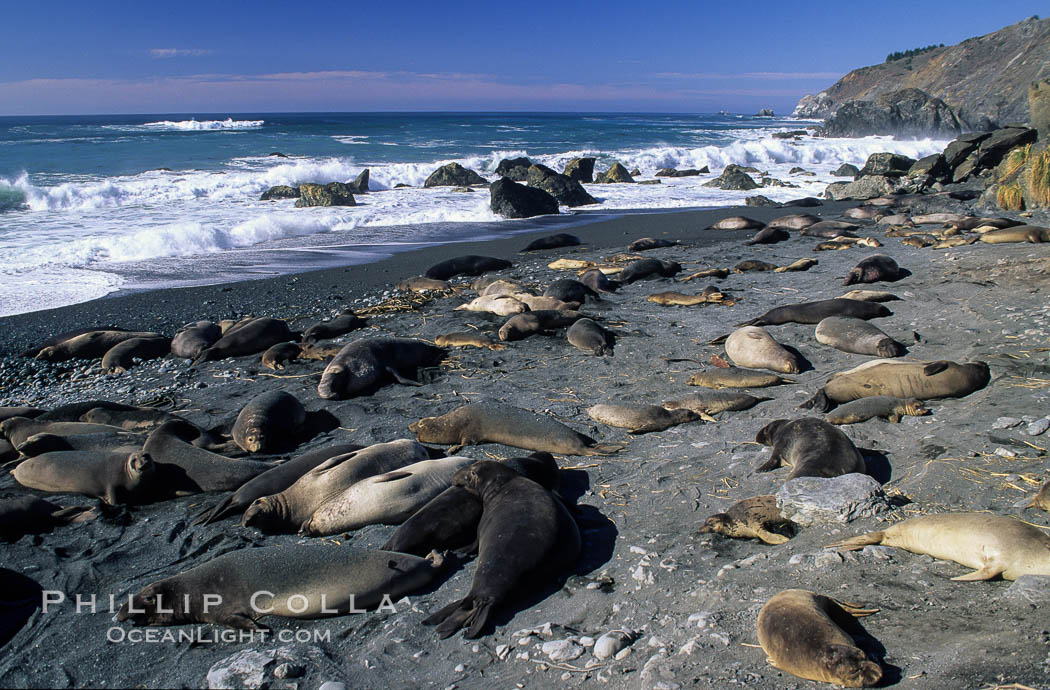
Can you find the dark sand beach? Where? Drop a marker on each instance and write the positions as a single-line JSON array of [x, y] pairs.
[[691, 600]]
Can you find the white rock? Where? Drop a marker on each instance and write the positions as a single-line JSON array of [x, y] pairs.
[[612, 643], [244, 669], [1005, 422], [813, 500], [562, 650], [332, 685], [1038, 427], [1004, 453]]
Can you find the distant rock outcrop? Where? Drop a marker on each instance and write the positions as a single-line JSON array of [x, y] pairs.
[[908, 113], [516, 169], [983, 80], [512, 200], [580, 169], [454, 175], [566, 190], [331, 194], [617, 173], [281, 191], [360, 184], [733, 177]]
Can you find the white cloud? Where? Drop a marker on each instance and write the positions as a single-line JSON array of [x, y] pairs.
[[773, 76], [162, 53]]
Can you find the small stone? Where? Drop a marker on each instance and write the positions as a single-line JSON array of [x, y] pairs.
[[1030, 590], [1005, 422], [612, 643], [701, 619], [1038, 427], [460, 668], [827, 559], [1004, 453], [562, 650], [287, 671], [502, 650], [587, 641], [332, 685]]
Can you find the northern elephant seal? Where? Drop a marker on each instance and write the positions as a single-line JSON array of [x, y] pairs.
[[815, 312], [269, 421], [367, 364], [293, 580], [992, 545], [287, 509], [713, 402], [249, 337], [735, 378], [884, 406], [135, 419], [646, 243], [752, 347], [121, 357], [799, 265], [921, 380], [450, 519], [768, 235], [114, 477], [718, 273], [1018, 233], [21, 515], [588, 336], [18, 429], [521, 326], [552, 242], [851, 334], [738, 223], [89, 345], [709, 295], [273, 481], [384, 499], [599, 282], [875, 268], [569, 290], [421, 284], [62, 337], [525, 537], [870, 296], [38, 444], [184, 469], [753, 265], [467, 340], [278, 356], [811, 447], [640, 419], [752, 518], [829, 229], [493, 422], [802, 634], [346, 322], [648, 269], [470, 265], [794, 221], [27, 412], [501, 305], [194, 338]]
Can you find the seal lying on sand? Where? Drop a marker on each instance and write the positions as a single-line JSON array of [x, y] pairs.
[[588, 336], [738, 223], [1018, 233], [493, 422], [569, 290], [296, 581], [990, 544], [735, 378], [921, 380], [552, 242], [884, 406], [421, 284], [119, 358], [522, 326], [874, 269], [815, 312], [713, 402], [186, 469], [752, 518], [753, 347], [62, 337], [18, 429], [248, 337], [467, 340], [279, 355], [89, 345], [346, 322], [811, 447], [470, 265], [270, 420], [194, 338], [21, 515], [115, 477], [640, 419], [525, 537], [367, 364], [649, 268], [857, 336], [802, 634]]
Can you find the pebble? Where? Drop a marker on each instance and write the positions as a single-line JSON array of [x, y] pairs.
[[1029, 590], [332, 685], [1003, 452], [1038, 427], [1005, 422], [813, 500], [562, 650], [612, 643]]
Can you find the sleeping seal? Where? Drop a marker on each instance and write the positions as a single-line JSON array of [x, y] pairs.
[[752, 518], [88, 345], [269, 421], [21, 515], [365, 365], [470, 265], [115, 477], [802, 634], [248, 337], [921, 380], [121, 357], [752, 347], [876, 406], [857, 336], [873, 269], [641, 419], [588, 336], [815, 312], [811, 447], [194, 338]]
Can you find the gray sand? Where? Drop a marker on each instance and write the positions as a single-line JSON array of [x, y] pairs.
[[693, 599]]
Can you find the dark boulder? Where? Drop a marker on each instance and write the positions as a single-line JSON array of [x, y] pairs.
[[360, 183], [1039, 107], [281, 191], [991, 151], [759, 200], [907, 113], [331, 194], [516, 169], [886, 164], [580, 169], [791, 134], [566, 190], [846, 170], [635, 172], [454, 175], [957, 151], [617, 173], [765, 112], [672, 172], [931, 166], [512, 200], [733, 177]]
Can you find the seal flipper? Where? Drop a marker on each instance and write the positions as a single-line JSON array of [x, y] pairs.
[[854, 543], [935, 367], [441, 615], [819, 402], [768, 537], [985, 572], [769, 465], [401, 379], [604, 449], [219, 510], [68, 516], [240, 621]]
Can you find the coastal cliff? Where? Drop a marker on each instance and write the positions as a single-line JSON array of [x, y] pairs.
[[983, 81]]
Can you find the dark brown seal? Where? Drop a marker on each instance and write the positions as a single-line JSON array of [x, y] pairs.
[[588, 336], [851, 334], [114, 477], [121, 357], [873, 269], [815, 312], [920, 380], [346, 322], [194, 338], [470, 265], [88, 345], [269, 421], [552, 242], [248, 338], [811, 447], [752, 518], [365, 365]]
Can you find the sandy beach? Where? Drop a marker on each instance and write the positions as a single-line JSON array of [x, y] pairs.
[[690, 599]]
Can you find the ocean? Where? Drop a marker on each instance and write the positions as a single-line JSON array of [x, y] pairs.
[[94, 204]]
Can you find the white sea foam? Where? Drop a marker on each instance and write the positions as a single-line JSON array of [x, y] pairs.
[[48, 288], [192, 125]]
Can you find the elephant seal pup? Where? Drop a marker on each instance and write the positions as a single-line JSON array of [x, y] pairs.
[[641, 419], [493, 422], [365, 365], [829, 229], [183, 468], [735, 378], [279, 355], [738, 223], [385, 499], [500, 305], [114, 477], [863, 213], [135, 419], [450, 519], [470, 265], [569, 290], [870, 296], [1042, 499], [970, 223], [645, 243], [717, 273], [851, 334], [598, 281], [552, 242], [194, 338], [18, 429], [752, 347], [875, 268], [73, 412], [89, 345], [272, 481], [421, 284], [794, 221], [121, 357], [525, 538], [467, 340], [815, 312], [248, 338], [990, 544], [709, 295], [342, 324], [752, 518], [646, 269], [921, 380], [62, 337], [269, 421], [799, 265], [885, 406], [21, 515], [535, 303], [588, 336], [1018, 233], [521, 326], [288, 508], [811, 447], [802, 634], [38, 444], [768, 235], [752, 265], [713, 402], [27, 412], [292, 580], [500, 287]]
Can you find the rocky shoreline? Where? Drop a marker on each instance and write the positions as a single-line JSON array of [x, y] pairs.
[[653, 602]]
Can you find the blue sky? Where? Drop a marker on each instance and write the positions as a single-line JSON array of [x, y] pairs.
[[615, 55]]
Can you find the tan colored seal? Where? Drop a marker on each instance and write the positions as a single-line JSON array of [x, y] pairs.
[[738, 223], [752, 347], [709, 295], [540, 303], [1042, 499], [990, 544], [1018, 233], [802, 634], [501, 305], [713, 402], [467, 340], [640, 419], [800, 265], [706, 273], [735, 378], [421, 284], [277, 356], [901, 379], [885, 406], [752, 518], [570, 264], [752, 265], [870, 296]]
